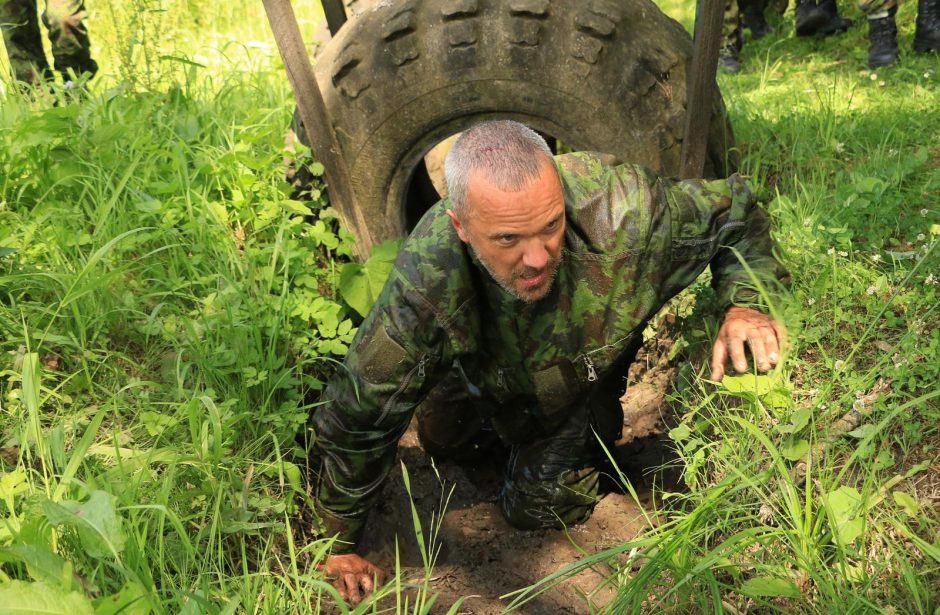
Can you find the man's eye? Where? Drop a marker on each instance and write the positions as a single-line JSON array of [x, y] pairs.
[[551, 226], [506, 238]]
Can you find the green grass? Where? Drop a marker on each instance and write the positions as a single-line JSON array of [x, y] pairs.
[[167, 317]]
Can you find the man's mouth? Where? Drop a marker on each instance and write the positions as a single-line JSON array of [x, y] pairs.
[[530, 280]]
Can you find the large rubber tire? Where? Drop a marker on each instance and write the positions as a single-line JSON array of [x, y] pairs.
[[602, 75]]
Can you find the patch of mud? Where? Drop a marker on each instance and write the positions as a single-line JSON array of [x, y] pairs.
[[481, 556]]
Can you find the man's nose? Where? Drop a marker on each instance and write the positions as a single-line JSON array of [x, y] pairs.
[[535, 255]]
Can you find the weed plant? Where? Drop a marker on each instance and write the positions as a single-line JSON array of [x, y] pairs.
[[168, 314]]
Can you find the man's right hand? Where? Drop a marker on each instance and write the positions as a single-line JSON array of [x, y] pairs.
[[353, 576]]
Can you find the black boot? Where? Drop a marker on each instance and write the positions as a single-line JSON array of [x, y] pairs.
[[883, 40], [728, 61], [836, 22], [809, 17], [821, 19], [927, 34], [752, 18]]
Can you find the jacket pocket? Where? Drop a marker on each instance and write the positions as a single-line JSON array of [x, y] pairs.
[[557, 389], [411, 383]]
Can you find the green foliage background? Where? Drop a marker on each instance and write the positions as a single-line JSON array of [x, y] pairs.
[[168, 314]]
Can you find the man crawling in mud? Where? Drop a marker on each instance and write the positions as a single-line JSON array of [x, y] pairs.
[[511, 316]]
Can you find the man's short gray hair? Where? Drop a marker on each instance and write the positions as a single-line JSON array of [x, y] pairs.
[[506, 152]]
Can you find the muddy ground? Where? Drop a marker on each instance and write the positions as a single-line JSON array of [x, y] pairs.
[[482, 557]]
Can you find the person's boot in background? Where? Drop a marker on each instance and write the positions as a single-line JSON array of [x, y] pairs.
[[821, 19], [836, 23], [882, 38], [752, 18], [809, 17], [927, 34], [729, 60]]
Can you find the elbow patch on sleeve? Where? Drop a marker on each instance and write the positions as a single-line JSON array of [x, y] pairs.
[[380, 356]]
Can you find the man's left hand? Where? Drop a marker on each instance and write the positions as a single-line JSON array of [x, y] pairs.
[[763, 335]]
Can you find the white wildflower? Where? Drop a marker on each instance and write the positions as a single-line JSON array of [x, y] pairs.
[[921, 237], [843, 253], [831, 251], [881, 84], [871, 290], [810, 301], [931, 280], [924, 211], [840, 148], [808, 221], [876, 258], [873, 76], [839, 364]]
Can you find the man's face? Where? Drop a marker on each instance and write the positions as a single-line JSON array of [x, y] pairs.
[[516, 235]]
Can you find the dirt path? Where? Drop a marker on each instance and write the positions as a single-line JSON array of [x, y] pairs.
[[481, 555]]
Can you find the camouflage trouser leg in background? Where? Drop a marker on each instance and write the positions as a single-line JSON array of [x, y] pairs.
[[732, 38], [69, 37], [874, 9], [20, 25], [551, 482], [71, 48]]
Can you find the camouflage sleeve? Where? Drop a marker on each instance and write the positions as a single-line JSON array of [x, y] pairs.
[[719, 223], [370, 401]]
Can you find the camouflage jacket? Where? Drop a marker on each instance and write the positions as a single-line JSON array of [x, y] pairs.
[[632, 241]]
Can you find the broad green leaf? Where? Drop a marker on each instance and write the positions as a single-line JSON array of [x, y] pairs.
[[386, 251], [95, 520], [794, 451], [41, 563], [748, 383], [680, 433], [360, 284], [906, 502], [843, 504], [864, 431], [133, 599], [770, 587], [5, 251], [156, 422], [798, 420], [22, 598], [778, 398], [292, 473], [11, 485]]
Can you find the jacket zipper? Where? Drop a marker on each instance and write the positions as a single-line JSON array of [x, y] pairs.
[[591, 372], [417, 369]]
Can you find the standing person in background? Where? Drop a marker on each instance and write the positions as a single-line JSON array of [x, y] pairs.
[[883, 30], [71, 48]]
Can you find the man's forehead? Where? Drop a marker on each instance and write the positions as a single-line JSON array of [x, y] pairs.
[[482, 190]]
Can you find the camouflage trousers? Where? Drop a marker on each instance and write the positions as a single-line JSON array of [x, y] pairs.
[[551, 481], [732, 37], [876, 8], [67, 33]]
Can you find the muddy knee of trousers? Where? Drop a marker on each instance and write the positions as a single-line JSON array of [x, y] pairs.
[[453, 424], [459, 432], [566, 500]]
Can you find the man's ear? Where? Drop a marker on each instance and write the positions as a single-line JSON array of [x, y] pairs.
[[455, 221]]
